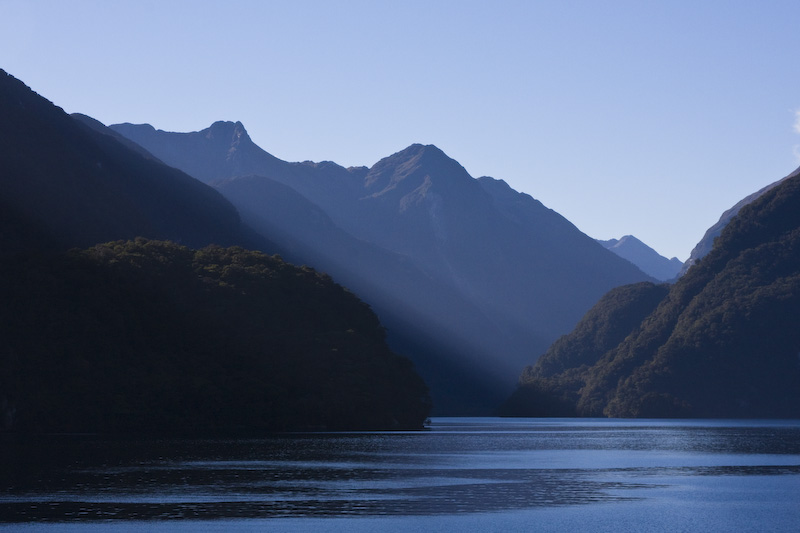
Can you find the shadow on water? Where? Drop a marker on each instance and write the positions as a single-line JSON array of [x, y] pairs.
[[460, 466]]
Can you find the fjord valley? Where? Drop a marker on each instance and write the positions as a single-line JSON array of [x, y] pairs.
[[143, 291], [146, 335]]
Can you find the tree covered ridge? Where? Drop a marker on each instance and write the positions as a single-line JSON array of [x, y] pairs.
[[723, 342], [150, 336]]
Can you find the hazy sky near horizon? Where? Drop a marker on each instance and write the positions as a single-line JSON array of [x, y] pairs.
[[627, 117]]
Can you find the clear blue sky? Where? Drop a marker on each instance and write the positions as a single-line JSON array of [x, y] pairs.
[[627, 117]]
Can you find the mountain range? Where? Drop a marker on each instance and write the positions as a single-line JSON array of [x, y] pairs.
[[469, 276], [143, 336]]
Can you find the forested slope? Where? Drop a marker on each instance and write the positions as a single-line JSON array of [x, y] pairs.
[[724, 341], [152, 337]]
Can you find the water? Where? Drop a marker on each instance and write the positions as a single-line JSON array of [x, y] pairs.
[[461, 475]]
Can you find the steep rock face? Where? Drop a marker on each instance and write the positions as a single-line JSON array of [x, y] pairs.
[[707, 242], [648, 260], [723, 342], [78, 186], [468, 275]]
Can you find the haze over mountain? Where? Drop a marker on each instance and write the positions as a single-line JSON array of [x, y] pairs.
[[469, 276], [150, 337], [723, 341], [644, 257]]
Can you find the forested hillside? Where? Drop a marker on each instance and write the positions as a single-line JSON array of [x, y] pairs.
[[152, 337], [723, 342]]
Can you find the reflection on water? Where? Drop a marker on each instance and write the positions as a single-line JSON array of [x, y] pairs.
[[458, 466]]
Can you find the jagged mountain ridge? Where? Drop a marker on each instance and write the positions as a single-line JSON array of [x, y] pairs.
[[508, 275], [225, 150], [643, 256]]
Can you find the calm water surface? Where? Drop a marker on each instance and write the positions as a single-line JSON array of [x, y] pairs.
[[463, 474]]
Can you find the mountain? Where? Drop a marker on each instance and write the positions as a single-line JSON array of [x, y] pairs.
[[143, 336], [72, 185], [644, 257], [707, 242], [149, 337], [469, 276], [722, 342], [414, 306], [99, 127]]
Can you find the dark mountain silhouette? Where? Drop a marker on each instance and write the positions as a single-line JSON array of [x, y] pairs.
[[648, 260], [469, 276], [707, 242], [721, 342], [150, 336], [77, 186]]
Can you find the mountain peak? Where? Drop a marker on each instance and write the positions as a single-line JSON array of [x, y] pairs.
[[423, 149], [630, 240], [414, 165], [222, 150], [225, 125], [420, 153], [234, 131], [643, 256]]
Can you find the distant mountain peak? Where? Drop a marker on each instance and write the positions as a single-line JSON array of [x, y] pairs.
[[225, 149], [225, 127], [415, 166], [644, 257], [419, 148], [421, 153], [629, 240]]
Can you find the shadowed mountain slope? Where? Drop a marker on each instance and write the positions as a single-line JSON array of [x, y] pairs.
[[79, 187], [151, 337]]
